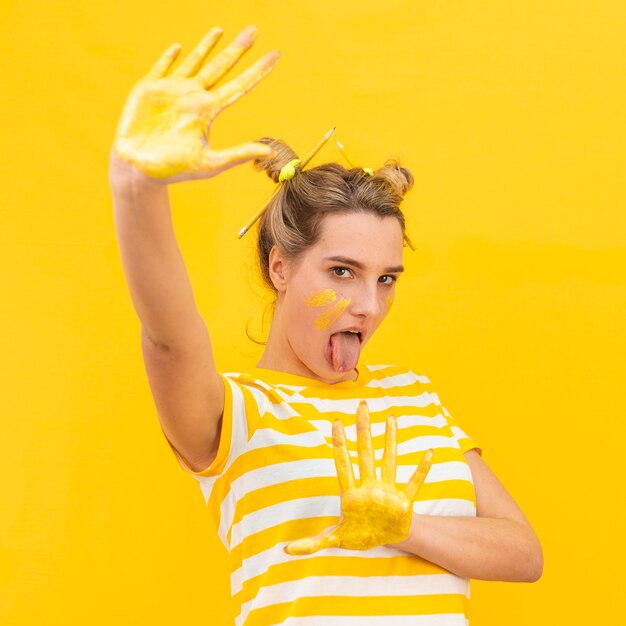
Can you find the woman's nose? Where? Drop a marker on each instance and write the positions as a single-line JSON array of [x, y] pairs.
[[365, 302]]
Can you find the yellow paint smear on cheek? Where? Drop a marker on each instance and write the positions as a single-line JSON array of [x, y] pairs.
[[389, 303], [322, 298], [329, 316]]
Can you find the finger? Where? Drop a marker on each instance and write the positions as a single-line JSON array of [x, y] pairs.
[[224, 159], [419, 476], [389, 456], [159, 69], [198, 55], [364, 442], [214, 70], [309, 545], [342, 458], [233, 90]]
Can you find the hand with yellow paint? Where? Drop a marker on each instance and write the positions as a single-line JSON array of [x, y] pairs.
[[375, 512], [164, 128]]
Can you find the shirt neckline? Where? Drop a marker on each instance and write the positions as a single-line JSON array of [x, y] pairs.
[[276, 377]]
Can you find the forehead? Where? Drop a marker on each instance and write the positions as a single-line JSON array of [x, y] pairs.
[[372, 240]]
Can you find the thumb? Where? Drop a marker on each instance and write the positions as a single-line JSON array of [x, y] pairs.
[[308, 545], [328, 538], [213, 160]]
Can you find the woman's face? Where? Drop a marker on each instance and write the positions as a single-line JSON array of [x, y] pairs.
[[336, 294]]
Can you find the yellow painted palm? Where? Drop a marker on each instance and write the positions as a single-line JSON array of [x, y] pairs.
[[374, 512], [164, 127]]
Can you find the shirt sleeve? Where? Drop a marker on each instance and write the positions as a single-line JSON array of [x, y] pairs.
[[465, 442], [226, 437]]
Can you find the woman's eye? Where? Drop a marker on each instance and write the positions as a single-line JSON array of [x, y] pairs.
[[340, 271], [388, 279]]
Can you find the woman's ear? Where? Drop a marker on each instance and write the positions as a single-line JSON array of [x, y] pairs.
[[278, 265]]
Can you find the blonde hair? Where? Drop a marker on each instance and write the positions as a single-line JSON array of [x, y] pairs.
[[293, 218]]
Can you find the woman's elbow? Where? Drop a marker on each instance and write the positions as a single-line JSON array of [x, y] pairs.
[[535, 561]]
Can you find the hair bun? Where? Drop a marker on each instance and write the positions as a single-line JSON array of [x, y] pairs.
[[398, 178], [273, 164]]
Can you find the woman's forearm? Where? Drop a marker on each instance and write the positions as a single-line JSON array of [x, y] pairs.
[[477, 547], [155, 271]]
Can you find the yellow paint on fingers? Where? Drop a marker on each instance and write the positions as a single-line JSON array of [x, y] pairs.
[[373, 512], [163, 130]]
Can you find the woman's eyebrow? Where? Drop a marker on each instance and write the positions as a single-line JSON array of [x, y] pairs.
[[347, 261]]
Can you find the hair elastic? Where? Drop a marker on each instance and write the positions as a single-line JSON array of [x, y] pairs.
[[287, 172]]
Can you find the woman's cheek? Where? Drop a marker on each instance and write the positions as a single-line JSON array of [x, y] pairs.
[[332, 307], [332, 314], [322, 297]]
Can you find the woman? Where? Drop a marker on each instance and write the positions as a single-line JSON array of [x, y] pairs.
[[274, 448]]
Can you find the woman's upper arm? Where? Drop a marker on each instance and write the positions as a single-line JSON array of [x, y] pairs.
[[189, 396], [492, 498]]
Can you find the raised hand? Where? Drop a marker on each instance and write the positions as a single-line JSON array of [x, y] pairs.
[[375, 512], [164, 128]]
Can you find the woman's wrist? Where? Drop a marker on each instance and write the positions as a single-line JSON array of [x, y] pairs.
[[412, 542], [130, 182]]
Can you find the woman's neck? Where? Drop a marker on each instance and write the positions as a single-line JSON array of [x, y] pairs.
[[279, 356]]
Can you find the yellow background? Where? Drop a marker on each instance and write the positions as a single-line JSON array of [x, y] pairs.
[[511, 116]]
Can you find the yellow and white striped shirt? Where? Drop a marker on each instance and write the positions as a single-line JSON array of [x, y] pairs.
[[274, 480]]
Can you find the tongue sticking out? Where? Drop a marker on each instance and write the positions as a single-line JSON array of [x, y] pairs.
[[345, 349]]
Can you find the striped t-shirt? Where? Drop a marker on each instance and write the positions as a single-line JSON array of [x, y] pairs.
[[274, 481]]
